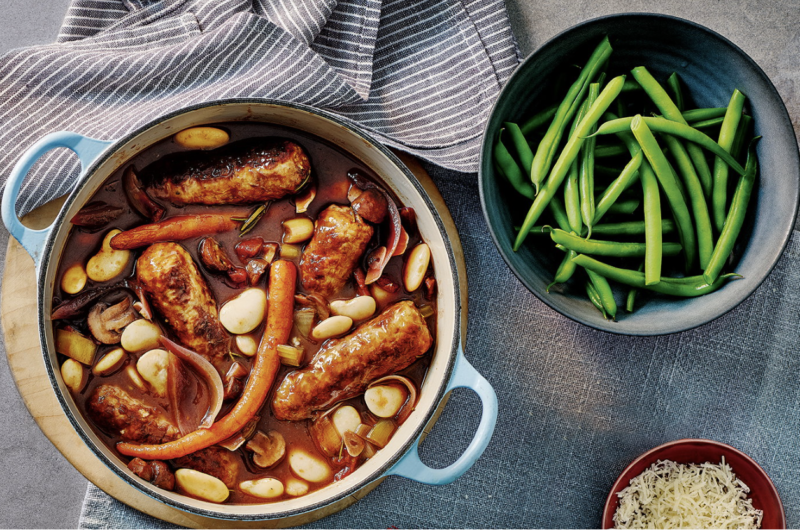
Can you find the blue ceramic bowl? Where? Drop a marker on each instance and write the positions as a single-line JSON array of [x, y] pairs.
[[711, 67]]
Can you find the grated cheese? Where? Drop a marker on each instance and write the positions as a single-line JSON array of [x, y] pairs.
[[672, 495]]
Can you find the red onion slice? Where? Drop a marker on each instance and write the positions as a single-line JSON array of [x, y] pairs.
[[207, 371]]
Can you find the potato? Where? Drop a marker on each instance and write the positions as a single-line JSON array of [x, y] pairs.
[[108, 263], [308, 467], [140, 335], [74, 279], [345, 419], [152, 366], [110, 362], [74, 345], [263, 488], [296, 487], [202, 138], [245, 312], [74, 376], [200, 485]]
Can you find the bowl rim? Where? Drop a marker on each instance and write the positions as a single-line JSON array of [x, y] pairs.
[[485, 152], [43, 291], [623, 479]]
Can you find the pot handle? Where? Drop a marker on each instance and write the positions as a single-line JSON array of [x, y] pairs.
[[87, 149], [464, 376]]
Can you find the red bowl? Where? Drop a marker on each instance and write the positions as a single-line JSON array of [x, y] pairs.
[[690, 451]]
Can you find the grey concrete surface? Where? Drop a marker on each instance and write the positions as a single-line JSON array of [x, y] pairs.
[[41, 489]]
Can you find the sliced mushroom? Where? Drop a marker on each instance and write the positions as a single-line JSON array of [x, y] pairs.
[[106, 323], [214, 257], [268, 449]]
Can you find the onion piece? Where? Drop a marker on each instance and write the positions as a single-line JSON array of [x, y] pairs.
[[138, 197], [325, 435], [375, 263], [144, 306], [304, 199], [402, 243], [408, 407], [304, 320], [207, 372], [319, 304], [237, 440], [361, 282], [176, 388]]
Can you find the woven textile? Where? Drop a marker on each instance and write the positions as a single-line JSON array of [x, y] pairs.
[[420, 75], [578, 405]]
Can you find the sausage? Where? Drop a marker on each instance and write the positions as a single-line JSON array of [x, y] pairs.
[[344, 367], [253, 170], [214, 461], [180, 295], [118, 413], [340, 237]]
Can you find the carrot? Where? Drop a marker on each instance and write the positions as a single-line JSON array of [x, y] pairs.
[[282, 279], [173, 229]]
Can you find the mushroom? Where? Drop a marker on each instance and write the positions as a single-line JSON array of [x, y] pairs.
[[214, 257], [371, 205], [106, 323], [268, 449]]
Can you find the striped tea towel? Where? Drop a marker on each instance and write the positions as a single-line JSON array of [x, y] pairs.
[[420, 75]]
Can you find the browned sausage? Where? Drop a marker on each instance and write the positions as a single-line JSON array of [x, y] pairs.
[[180, 295], [329, 259], [344, 367], [255, 170], [118, 413]]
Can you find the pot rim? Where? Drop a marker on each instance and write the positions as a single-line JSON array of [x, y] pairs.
[[151, 491]]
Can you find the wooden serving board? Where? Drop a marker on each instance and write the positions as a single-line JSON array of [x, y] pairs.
[[27, 366]]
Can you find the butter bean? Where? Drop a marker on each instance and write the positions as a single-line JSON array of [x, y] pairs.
[[202, 138], [74, 376], [263, 488], [110, 362], [246, 344], [74, 279], [152, 366], [200, 485], [385, 400], [308, 466], [297, 230], [416, 267], [245, 312], [296, 487], [358, 308], [332, 327], [108, 263], [140, 335], [346, 418], [135, 378]]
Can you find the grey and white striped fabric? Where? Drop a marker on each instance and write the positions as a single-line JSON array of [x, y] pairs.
[[421, 75]]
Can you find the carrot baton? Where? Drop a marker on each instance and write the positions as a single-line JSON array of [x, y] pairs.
[[282, 280], [173, 229]]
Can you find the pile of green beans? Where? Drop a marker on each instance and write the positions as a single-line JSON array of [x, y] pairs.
[[664, 171]]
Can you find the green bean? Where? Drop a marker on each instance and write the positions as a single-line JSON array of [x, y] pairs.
[[741, 133], [594, 297], [538, 119], [727, 133], [674, 84], [524, 152], [572, 197], [604, 292], [626, 228], [568, 154], [630, 300], [546, 151], [735, 220], [612, 249], [586, 169], [706, 124], [631, 85], [703, 114], [685, 287], [631, 228], [666, 178], [674, 128], [509, 168], [624, 207], [607, 151], [671, 112], [565, 270], [558, 212], [620, 184], [653, 235], [702, 219], [606, 171]]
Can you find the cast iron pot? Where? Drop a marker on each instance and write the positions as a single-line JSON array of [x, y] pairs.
[[449, 368]]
